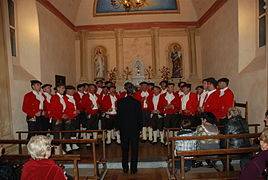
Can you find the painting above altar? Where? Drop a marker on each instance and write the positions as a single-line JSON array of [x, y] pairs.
[[105, 8]]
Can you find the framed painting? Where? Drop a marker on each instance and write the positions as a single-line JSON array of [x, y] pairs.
[[60, 80], [105, 7]]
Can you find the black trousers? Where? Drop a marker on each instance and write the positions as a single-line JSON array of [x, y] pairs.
[[92, 121], [45, 124], [69, 124], [82, 119], [34, 126], [156, 122], [145, 118], [109, 122], [56, 125], [195, 121], [131, 141], [171, 121]]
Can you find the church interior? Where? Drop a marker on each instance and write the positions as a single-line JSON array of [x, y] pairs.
[[81, 41]]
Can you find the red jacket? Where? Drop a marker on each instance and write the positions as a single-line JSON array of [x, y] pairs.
[[151, 104], [56, 110], [46, 107], [70, 108], [122, 94], [78, 101], [137, 96], [176, 102], [212, 104], [87, 104], [45, 169], [226, 102], [107, 103], [191, 105], [30, 104]]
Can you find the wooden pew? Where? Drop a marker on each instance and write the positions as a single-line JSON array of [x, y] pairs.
[[167, 130], [181, 154], [25, 157], [96, 173], [102, 132]]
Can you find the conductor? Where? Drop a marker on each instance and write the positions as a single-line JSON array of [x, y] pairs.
[[130, 123]]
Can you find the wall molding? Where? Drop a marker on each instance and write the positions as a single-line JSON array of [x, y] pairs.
[[131, 26]]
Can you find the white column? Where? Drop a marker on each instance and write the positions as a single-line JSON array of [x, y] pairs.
[[119, 51]]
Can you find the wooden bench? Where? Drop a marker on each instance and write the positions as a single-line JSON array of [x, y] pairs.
[[181, 154], [96, 172], [101, 132], [22, 158], [167, 130]]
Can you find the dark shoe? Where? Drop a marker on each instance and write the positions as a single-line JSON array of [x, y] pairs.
[[197, 164], [134, 171], [125, 171]]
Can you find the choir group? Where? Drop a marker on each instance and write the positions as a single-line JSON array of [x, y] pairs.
[[83, 107]]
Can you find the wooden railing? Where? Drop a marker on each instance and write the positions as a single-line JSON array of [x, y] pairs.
[[179, 155], [96, 173]]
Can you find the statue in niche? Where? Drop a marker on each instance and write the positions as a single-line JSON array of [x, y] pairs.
[[100, 61], [175, 56]]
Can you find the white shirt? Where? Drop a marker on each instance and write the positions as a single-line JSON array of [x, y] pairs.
[[169, 97], [222, 91], [62, 102], [113, 100], [81, 94], [145, 94], [181, 93], [163, 91], [71, 99], [48, 96], [201, 98], [94, 99], [99, 90], [40, 98], [155, 101], [209, 93], [184, 100]]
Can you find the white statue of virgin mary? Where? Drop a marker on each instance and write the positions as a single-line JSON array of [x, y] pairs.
[[99, 60]]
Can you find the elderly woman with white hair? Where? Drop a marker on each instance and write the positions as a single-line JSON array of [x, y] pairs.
[[236, 125], [40, 166]]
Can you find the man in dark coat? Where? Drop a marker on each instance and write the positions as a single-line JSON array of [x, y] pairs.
[[130, 123]]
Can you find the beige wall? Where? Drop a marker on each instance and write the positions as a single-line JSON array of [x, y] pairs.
[[220, 57], [57, 48]]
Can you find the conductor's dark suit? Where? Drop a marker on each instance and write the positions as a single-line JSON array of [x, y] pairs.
[[130, 123]]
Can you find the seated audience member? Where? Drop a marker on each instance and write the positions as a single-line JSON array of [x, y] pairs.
[[40, 166], [255, 168], [266, 119], [186, 145], [208, 128], [236, 125]]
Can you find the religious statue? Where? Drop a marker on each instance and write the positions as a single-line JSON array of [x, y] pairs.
[[100, 61], [164, 73], [112, 75], [149, 72], [127, 73], [175, 56]]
